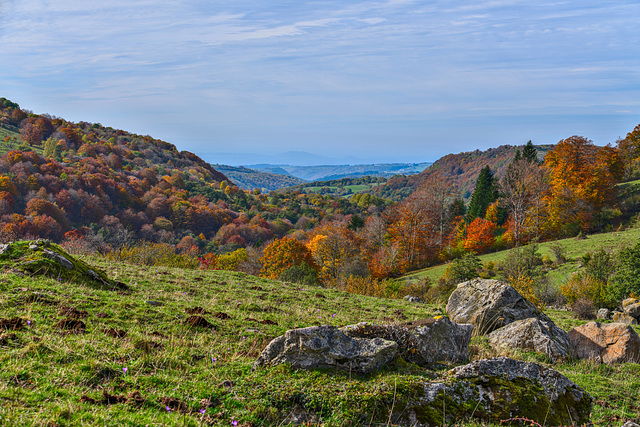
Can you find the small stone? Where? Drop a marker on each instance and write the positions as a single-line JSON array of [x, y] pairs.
[[413, 299], [155, 303], [4, 248]]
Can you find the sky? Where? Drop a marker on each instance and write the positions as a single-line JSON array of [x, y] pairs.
[[353, 81]]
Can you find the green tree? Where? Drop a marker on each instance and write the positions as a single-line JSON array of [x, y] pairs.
[[484, 194], [626, 279], [530, 153]]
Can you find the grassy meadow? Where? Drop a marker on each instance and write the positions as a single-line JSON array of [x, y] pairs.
[[574, 248], [139, 357]]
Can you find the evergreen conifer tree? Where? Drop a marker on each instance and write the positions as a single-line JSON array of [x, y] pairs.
[[530, 153], [484, 194]]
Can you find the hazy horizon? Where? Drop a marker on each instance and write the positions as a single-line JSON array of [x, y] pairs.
[[382, 82]]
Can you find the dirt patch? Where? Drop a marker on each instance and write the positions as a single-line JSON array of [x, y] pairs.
[[72, 326], [72, 313], [400, 314], [7, 338], [174, 404], [148, 346], [134, 398], [222, 316], [13, 324], [319, 295], [115, 333], [226, 384], [158, 334], [268, 322], [251, 319], [196, 310], [102, 315], [198, 322], [256, 288], [269, 309]]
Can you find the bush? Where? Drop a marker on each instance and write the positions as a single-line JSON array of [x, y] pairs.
[[584, 309], [560, 252], [302, 274], [525, 286], [585, 287], [371, 287], [626, 279], [522, 261], [599, 265], [462, 269]]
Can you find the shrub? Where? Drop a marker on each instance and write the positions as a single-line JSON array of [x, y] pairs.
[[371, 287], [599, 264], [586, 287], [302, 274], [626, 278], [462, 269], [584, 309], [525, 286], [523, 261], [560, 252]]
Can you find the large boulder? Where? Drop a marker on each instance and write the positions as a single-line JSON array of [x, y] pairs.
[[533, 334], [608, 343], [327, 347], [489, 305], [423, 341], [631, 307], [495, 390]]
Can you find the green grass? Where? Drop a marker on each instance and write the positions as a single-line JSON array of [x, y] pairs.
[[45, 371], [575, 248]]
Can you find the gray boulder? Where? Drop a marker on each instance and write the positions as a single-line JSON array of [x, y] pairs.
[[413, 299], [619, 317], [603, 314], [58, 258], [533, 334], [327, 347], [489, 305], [495, 390], [424, 341]]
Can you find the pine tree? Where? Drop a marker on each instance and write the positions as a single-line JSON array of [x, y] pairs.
[[484, 194], [530, 153]]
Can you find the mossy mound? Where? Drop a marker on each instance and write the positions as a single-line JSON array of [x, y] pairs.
[[43, 258]]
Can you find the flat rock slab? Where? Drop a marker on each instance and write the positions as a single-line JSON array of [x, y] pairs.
[[423, 341], [533, 334], [325, 346], [489, 305], [494, 390], [608, 343]]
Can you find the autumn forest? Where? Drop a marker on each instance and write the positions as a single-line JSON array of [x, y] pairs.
[[95, 189]]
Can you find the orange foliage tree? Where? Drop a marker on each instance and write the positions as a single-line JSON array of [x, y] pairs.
[[282, 254], [480, 235], [582, 177]]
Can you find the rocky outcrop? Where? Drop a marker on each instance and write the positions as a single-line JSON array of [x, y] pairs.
[[423, 341], [489, 305], [533, 334], [495, 390], [327, 347], [608, 343]]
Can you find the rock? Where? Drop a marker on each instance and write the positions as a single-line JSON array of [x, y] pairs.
[[633, 310], [327, 347], [423, 341], [489, 305], [624, 318], [494, 390], [630, 424], [533, 334], [58, 258], [4, 248], [155, 303], [606, 342], [413, 299], [629, 301], [603, 314]]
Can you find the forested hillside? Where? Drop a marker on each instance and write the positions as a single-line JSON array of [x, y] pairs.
[[111, 188], [250, 179], [461, 169]]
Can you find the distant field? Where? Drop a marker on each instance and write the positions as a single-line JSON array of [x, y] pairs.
[[575, 248]]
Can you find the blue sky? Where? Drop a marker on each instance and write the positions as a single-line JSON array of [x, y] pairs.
[[379, 81]]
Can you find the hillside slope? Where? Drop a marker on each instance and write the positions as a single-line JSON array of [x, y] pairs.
[[78, 355], [249, 179], [462, 168]]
